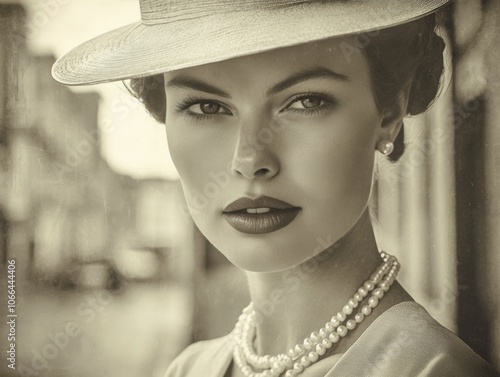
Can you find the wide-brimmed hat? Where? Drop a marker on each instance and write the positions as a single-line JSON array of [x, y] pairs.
[[175, 34]]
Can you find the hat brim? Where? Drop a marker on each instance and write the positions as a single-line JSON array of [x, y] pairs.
[[139, 50]]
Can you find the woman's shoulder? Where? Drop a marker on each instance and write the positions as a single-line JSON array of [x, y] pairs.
[[204, 358], [406, 341]]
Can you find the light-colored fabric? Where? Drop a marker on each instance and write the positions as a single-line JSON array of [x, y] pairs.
[[404, 341]]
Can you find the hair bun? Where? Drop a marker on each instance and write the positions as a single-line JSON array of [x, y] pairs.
[[425, 83]]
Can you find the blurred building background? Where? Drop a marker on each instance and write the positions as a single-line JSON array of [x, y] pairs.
[[439, 206], [105, 262], [114, 279]]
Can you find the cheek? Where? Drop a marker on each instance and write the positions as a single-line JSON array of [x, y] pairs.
[[187, 160], [356, 149], [353, 145], [339, 165], [202, 169]]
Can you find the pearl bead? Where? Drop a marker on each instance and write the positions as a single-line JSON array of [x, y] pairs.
[[329, 326], [353, 303], [292, 353], [290, 373], [363, 292], [327, 343], [320, 349], [314, 337], [288, 363], [373, 302], [379, 293], [304, 360], [298, 368], [351, 324], [369, 285], [335, 321], [334, 337], [313, 356], [359, 317], [341, 316], [384, 286], [299, 349], [308, 344], [366, 310], [323, 333], [357, 296], [342, 331], [347, 309]]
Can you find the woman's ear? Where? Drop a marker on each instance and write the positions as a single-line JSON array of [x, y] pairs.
[[392, 118]]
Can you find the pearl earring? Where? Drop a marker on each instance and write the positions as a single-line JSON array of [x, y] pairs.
[[386, 147]]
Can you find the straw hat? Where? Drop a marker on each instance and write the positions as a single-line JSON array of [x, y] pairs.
[[176, 34]]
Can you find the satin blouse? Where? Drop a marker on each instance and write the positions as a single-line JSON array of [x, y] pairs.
[[403, 341]]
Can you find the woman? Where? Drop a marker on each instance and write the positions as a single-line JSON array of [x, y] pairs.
[[275, 109]]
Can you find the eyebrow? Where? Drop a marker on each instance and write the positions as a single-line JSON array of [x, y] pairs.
[[186, 82], [312, 73]]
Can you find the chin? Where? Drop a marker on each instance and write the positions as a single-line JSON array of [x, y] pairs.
[[276, 251], [269, 254]]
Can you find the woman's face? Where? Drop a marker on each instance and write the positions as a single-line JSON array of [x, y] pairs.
[[298, 124]]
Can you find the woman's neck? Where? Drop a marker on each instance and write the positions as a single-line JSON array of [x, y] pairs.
[[291, 304]]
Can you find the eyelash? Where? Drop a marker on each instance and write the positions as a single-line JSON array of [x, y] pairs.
[[183, 108], [329, 102]]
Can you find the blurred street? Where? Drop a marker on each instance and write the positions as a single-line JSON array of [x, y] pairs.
[[133, 332]]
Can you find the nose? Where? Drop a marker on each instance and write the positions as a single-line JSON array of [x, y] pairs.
[[254, 156]]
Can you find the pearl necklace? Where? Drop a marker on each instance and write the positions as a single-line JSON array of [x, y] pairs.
[[304, 354]]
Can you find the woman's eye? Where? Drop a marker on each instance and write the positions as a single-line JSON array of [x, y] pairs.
[[307, 103], [202, 109], [208, 108]]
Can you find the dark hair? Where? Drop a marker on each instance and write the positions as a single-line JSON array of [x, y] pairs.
[[408, 54]]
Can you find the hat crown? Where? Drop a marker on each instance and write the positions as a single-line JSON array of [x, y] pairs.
[[160, 11], [177, 34]]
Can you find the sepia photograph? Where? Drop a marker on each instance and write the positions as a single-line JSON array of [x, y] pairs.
[[250, 188]]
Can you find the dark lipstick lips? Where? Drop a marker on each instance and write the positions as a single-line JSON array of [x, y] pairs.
[[278, 215]]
